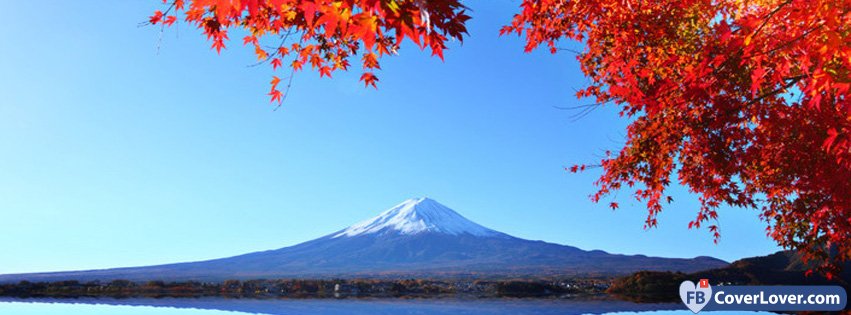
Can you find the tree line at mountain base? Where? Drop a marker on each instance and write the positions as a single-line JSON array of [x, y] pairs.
[[303, 288], [781, 268]]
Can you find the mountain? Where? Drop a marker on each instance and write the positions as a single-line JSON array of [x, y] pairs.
[[419, 237]]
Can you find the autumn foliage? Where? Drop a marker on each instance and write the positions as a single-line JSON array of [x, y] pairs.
[[743, 102], [324, 34]]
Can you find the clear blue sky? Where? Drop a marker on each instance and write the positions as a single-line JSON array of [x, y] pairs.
[[112, 154]]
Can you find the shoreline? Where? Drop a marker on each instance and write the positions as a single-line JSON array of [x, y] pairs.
[[314, 289], [289, 306]]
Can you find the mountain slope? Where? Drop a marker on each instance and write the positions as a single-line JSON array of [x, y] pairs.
[[417, 237]]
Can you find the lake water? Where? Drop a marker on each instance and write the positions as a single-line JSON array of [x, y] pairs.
[[216, 306]]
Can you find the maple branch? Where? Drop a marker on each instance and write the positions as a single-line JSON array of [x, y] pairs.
[[574, 51], [800, 37], [715, 70], [578, 106], [287, 88], [584, 110], [167, 10], [793, 80], [162, 26], [276, 50], [770, 15], [764, 22]]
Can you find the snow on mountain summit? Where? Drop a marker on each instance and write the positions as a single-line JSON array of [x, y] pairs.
[[414, 216]]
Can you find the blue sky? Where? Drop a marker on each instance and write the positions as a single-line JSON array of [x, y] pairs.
[[114, 153]]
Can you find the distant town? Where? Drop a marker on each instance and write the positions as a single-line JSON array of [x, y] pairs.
[[301, 288]]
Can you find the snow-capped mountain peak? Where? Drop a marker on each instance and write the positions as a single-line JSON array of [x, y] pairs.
[[414, 216], [418, 237]]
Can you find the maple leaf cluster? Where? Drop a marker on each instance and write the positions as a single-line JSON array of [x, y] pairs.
[[324, 34], [745, 102]]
